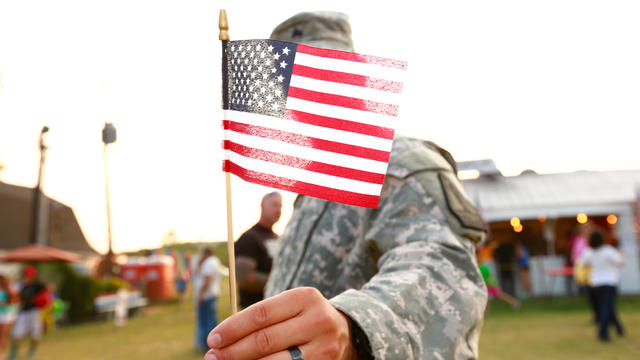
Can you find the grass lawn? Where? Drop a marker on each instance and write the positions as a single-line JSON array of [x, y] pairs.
[[557, 329], [542, 329]]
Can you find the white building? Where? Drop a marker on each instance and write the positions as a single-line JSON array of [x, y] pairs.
[[547, 207]]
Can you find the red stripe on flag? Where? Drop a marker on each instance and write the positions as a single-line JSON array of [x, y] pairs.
[[347, 78], [339, 124], [344, 101], [344, 55], [300, 187], [305, 164], [307, 141]]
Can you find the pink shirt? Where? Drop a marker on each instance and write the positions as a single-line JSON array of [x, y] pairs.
[[579, 245]]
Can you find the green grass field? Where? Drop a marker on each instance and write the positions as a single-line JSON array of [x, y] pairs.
[[557, 329], [542, 329]]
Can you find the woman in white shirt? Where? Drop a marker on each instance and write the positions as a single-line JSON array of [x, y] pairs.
[[605, 262]]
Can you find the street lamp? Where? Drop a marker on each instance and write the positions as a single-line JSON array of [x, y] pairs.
[[35, 219], [108, 137]]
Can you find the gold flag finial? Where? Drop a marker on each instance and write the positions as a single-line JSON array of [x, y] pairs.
[[224, 26]]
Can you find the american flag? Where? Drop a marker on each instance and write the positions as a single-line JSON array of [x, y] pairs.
[[313, 121]]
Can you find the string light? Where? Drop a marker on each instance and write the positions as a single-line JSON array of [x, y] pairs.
[[582, 218]]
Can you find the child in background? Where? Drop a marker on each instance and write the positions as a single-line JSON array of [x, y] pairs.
[[48, 318], [494, 290]]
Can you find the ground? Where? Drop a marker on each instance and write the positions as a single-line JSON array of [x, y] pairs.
[[542, 329], [557, 329]]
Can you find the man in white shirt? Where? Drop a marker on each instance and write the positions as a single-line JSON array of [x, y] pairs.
[[605, 263], [206, 288]]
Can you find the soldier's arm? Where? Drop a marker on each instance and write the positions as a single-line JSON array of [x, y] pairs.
[[427, 299]]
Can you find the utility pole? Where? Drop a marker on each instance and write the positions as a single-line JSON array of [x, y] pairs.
[[108, 137], [35, 218]]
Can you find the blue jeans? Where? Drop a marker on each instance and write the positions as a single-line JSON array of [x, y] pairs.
[[206, 320], [606, 299]]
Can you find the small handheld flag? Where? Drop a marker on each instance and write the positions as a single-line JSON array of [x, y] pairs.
[[313, 121]]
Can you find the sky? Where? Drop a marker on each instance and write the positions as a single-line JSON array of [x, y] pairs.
[[552, 86]]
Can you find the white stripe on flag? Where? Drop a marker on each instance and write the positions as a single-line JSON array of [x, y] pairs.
[[319, 132], [354, 67], [344, 89], [339, 112], [306, 152], [305, 175]]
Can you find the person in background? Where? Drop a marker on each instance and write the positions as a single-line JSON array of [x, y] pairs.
[[581, 275], [494, 290], [206, 289], [9, 302], [605, 262], [578, 242], [522, 262], [505, 257], [181, 287], [253, 260], [33, 297], [48, 316]]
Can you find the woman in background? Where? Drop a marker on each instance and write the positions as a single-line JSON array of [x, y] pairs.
[[605, 262]]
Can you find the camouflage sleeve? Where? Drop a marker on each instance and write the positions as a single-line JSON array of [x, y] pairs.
[[428, 297]]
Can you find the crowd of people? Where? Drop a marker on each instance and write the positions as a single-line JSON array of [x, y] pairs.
[[594, 265]]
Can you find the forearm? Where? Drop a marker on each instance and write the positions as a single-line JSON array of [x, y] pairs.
[[248, 277], [426, 299], [254, 281]]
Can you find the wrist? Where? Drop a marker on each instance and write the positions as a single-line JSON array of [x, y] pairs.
[[360, 346], [360, 342]]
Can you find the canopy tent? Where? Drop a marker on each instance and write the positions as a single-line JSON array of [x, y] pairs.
[[38, 253]]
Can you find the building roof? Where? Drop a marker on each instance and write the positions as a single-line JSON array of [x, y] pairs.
[[60, 226], [531, 195]]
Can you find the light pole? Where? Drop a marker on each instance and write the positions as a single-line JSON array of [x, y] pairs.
[[108, 137], [35, 219]]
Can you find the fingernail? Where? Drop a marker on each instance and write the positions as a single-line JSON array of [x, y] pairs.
[[214, 341], [210, 356]]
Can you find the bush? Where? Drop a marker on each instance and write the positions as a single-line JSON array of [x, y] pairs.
[[79, 291], [109, 286]]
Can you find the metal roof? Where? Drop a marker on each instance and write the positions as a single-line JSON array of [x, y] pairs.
[[553, 195]]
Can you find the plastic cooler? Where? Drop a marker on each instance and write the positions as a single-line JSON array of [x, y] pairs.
[[154, 275]]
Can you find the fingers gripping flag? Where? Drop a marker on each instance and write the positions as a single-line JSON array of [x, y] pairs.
[[312, 121]]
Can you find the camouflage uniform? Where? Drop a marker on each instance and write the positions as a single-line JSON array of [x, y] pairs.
[[405, 273]]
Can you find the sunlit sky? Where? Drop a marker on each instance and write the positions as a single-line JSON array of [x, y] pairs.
[[552, 86]]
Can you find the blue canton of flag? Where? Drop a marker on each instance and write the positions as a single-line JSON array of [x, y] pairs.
[[260, 73]]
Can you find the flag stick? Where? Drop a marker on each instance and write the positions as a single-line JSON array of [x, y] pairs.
[[224, 36]]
